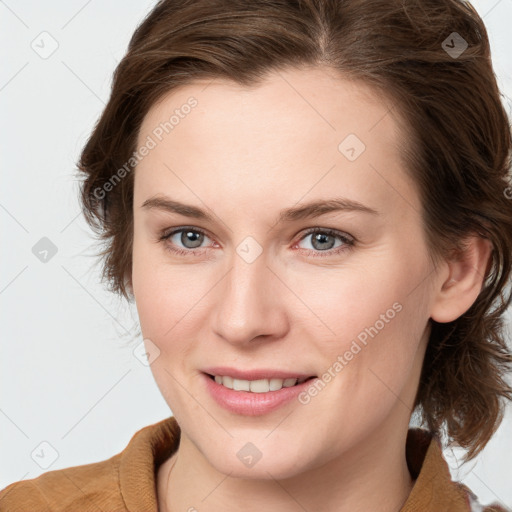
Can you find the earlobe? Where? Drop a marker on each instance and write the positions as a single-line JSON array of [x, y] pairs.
[[467, 270]]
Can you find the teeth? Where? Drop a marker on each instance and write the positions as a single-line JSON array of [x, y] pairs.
[[256, 386]]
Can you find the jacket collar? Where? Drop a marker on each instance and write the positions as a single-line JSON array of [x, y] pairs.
[[433, 490]]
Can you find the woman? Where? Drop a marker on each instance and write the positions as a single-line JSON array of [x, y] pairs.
[[239, 139]]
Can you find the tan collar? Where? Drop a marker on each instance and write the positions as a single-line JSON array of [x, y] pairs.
[[434, 490]]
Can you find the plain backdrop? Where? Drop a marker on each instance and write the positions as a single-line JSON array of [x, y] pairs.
[[72, 390]]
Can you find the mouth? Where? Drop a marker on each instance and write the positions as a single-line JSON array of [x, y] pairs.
[[259, 385]]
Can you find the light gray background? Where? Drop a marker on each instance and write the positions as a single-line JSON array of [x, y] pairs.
[[67, 375]]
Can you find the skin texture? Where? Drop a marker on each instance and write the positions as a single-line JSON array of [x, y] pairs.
[[244, 154]]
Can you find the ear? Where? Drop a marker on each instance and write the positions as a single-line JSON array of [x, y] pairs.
[[463, 279]]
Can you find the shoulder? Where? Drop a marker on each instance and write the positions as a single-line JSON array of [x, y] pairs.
[[89, 487], [124, 482]]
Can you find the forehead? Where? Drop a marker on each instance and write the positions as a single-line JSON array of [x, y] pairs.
[[288, 131], [326, 102]]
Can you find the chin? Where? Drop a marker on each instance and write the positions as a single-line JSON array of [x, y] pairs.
[[268, 467]]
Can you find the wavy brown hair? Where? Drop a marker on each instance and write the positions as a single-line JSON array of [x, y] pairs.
[[457, 149]]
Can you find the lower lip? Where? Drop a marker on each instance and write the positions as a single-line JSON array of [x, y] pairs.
[[252, 404]]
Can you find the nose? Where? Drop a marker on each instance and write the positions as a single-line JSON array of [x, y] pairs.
[[250, 303]]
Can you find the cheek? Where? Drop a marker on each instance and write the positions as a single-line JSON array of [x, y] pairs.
[[351, 302], [155, 292], [168, 296], [371, 320]]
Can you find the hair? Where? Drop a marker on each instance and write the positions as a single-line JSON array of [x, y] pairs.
[[457, 149]]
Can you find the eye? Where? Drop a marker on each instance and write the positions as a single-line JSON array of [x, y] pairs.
[[190, 238], [324, 241]]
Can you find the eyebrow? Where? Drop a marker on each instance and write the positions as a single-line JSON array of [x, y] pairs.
[[309, 210]]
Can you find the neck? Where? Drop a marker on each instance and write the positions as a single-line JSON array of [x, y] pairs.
[[372, 476]]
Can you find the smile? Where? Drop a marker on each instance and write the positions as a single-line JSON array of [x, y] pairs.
[[257, 386]]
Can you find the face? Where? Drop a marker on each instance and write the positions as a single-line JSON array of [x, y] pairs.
[[260, 282]]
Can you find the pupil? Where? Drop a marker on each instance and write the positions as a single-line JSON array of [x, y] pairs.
[[191, 237], [321, 238]]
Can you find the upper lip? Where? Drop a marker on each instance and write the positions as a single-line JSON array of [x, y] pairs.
[[256, 374]]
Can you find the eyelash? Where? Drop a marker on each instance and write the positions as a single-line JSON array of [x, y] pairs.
[[348, 242]]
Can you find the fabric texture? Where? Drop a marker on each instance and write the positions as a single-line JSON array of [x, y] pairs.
[[127, 481]]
